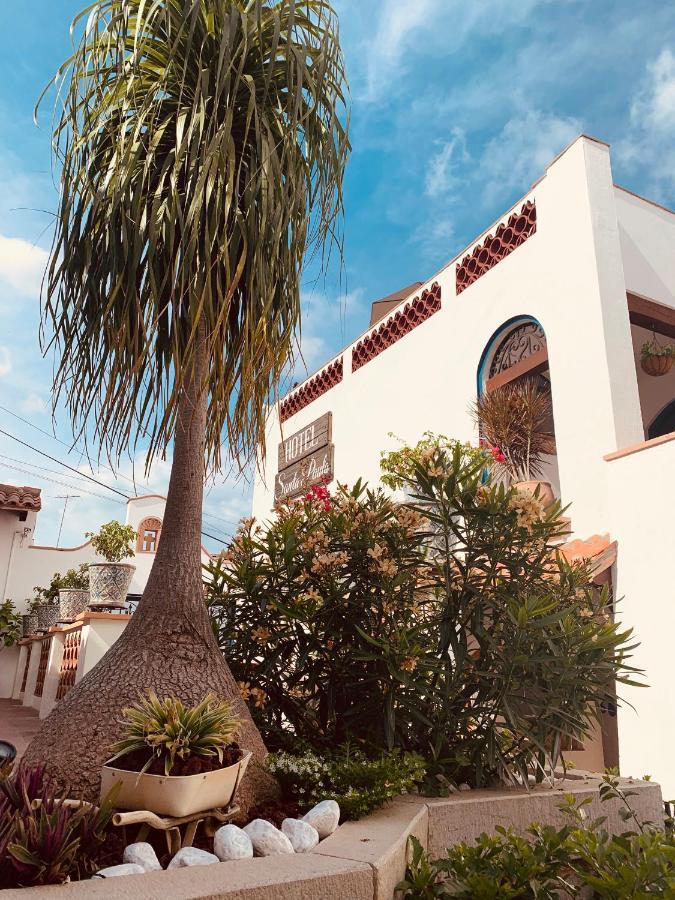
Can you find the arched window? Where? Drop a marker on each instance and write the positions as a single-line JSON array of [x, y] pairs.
[[664, 423], [517, 349], [149, 531]]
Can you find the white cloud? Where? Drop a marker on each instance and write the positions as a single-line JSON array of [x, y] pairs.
[[513, 159], [5, 362], [324, 317], [649, 145], [441, 177], [22, 264], [33, 404], [398, 22], [434, 236]]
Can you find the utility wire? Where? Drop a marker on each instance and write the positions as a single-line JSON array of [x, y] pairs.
[[62, 483], [83, 475], [118, 475], [65, 465]]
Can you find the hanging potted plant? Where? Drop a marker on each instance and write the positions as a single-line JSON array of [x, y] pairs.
[[73, 593], [657, 359], [109, 581], [176, 760], [514, 423]]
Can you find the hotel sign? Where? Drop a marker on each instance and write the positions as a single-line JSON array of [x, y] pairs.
[[305, 459]]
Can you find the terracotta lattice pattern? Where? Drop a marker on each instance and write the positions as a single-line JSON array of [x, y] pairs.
[[321, 382], [25, 668], [68, 670], [42, 667], [509, 235], [397, 326]]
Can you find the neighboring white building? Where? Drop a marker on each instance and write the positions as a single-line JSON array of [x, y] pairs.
[[24, 564], [568, 285]]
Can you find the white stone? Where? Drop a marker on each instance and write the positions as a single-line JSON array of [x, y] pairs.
[[325, 817], [464, 787], [142, 854], [231, 842], [303, 836], [266, 839], [192, 856], [123, 869]]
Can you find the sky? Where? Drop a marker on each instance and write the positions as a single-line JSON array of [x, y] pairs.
[[456, 108]]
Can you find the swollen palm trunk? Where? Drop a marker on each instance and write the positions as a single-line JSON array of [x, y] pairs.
[[168, 646]]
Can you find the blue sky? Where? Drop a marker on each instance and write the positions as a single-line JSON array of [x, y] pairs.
[[456, 109]]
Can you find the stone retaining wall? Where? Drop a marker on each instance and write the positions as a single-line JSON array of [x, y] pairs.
[[363, 860]]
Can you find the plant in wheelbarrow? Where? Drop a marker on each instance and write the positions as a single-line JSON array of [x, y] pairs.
[[176, 760]]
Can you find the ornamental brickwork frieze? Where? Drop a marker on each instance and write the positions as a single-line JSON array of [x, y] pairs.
[[408, 317], [316, 386], [508, 235]]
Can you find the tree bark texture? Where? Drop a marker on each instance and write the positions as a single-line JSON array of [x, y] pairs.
[[168, 645]]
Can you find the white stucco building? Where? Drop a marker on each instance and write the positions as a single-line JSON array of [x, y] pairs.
[[25, 564], [568, 285]]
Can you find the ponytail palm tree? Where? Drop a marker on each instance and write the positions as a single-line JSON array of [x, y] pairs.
[[201, 146]]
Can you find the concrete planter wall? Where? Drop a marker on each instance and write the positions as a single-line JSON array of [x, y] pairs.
[[365, 860], [72, 602], [109, 584]]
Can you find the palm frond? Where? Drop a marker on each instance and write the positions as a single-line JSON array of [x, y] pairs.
[[202, 145]]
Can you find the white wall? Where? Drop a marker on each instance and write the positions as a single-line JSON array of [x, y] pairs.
[[32, 564], [647, 234], [569, 277], [642, 504]]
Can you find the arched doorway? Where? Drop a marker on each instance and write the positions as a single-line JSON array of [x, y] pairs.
[[516, 351], [664, 422]]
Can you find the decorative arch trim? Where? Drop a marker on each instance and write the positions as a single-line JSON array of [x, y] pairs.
[[496, 338], [149, 531]]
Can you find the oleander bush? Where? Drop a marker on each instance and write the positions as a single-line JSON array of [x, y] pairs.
[[447, 626], [581, 860]]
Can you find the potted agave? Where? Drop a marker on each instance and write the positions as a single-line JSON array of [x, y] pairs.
[[176, 760], [73, 593], [657, 359], [515, 422], [109, 581]]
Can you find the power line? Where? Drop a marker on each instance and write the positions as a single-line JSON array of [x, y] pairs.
[[82, 475], [70, 447], [40, 468], [62, 483], [65, 465], [118, 475]]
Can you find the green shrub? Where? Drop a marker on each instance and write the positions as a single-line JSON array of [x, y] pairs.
[[77, 579], [52, 843], [10, 624], [112, 541], [447, 626], [550, 863], [360, 785], [169, 730]]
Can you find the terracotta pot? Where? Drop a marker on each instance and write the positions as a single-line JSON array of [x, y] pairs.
[[546, 495], [657, 365], [72, 602], [109, 584], [179, 795], [29, 623], [47, 615]]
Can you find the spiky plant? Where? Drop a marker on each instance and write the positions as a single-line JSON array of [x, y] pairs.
[[516, 419], [169, 729], [201, 146]]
